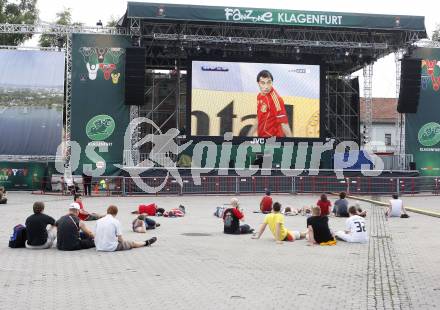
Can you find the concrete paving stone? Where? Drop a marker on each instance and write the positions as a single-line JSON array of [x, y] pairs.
[[218, 271]]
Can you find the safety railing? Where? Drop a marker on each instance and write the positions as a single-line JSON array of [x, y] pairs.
[[167, 185]]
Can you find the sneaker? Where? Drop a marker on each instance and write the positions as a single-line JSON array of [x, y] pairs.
[[157, 224], [150, 241]]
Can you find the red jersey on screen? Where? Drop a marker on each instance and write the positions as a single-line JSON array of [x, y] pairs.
[[266, 204], [324, 206], [271, 114]]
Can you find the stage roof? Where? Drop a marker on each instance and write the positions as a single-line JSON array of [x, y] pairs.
[[259, 16]]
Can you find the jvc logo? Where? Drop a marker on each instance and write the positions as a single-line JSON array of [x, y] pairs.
[[258, 141]]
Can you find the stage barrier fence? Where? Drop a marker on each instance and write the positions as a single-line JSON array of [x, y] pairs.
[[125, 186]]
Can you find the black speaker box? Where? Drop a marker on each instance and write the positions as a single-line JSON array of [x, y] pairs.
[[409, 86], [134, 76]]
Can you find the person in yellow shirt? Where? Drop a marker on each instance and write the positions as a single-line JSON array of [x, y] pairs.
[[275, 221]]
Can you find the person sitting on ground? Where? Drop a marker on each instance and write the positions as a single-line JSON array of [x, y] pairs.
[[324, 204], [68, 231], [231, 220], [266, 203], [318, 231], [275, 220], [359, 211], [39, 236], [83, 214], [355, 230], [142, 223], [396, 208], [3, 197], [109, 234], [340, 208], [149, 209]]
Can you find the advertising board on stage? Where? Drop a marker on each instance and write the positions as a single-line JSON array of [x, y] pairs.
[[226, 97]]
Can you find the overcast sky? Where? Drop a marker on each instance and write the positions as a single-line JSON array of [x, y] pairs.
[[90, 11]]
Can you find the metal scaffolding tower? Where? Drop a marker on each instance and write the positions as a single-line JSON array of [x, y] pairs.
[[368, 96], [400, 119]]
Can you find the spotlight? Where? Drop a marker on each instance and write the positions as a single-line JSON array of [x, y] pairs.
[[198, 47], [250, 48], [347, 53], [99, 23], [360, 55], [298, 50]]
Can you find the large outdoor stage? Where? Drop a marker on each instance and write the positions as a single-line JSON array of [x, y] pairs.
[[191, 74]]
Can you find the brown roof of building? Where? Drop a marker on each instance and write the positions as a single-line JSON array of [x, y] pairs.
[[384, 110]]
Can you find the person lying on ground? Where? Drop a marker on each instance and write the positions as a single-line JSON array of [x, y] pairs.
[[39, 236], [142, 223], [290, 211], [68, 231], [149, 209], [355, 230], [175, 212], [83, 214], [275, 221], [318, 231], [306, 211], [109, 234], [232, 218]]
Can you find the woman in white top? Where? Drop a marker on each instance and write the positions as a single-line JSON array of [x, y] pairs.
[[396, 207]]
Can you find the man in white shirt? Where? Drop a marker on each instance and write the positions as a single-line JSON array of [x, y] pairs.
[[396, 207], [108, 236], [355, 230]]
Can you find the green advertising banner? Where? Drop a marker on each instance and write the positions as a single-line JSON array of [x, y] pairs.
[[423, 128], [99, 117], [233, 14]]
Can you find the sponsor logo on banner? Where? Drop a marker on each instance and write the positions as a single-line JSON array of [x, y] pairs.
[[252, 15], [429, 134], [100, 127], [431, 74]]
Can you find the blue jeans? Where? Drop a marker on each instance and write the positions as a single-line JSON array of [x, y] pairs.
[[149, 223]]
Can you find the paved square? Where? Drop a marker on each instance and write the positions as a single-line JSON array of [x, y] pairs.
[[398, 269]]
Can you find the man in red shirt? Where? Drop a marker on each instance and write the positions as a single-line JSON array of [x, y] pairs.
[[271, 113], [266, 203], [83, 214]]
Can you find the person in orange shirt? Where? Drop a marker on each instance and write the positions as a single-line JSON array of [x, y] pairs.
[[271, 113]]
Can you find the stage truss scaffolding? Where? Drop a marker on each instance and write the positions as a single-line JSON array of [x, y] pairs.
[[170, 45]]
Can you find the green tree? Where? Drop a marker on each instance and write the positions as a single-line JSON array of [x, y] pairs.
[[112, 22], [17, 12], [436, 33], [52, 40]]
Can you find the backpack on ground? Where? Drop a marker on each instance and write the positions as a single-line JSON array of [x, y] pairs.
[[228, 218], [219, 211], [18, 237]]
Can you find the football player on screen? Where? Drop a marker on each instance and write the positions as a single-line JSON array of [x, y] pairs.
[[271, 114]]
